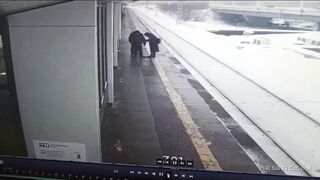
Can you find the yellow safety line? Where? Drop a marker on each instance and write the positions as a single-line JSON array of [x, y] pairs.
[[207, 158], [200, 144]]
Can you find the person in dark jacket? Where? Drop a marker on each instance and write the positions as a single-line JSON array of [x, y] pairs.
[[141, 42], [133, 42], [153, 44], [136, 40]]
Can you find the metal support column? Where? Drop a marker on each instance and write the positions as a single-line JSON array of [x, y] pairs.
[[120, 19], [115, 34], [110, 52], [103, 35], [99, 33], [117, 23], [104, 40]]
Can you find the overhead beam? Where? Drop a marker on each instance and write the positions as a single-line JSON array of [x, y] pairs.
[[15, 7]]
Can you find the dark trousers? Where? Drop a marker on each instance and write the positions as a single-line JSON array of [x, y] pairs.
[[136, 49], [140, 50], [133, 51]]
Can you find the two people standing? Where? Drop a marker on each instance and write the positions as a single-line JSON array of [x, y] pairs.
[[137, 40]]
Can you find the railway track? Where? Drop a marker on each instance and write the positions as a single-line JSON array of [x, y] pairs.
[[279, 144]]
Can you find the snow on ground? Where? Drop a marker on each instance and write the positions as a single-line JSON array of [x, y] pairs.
[[283, 72], [280, 67], [214, 25], [274, 152]]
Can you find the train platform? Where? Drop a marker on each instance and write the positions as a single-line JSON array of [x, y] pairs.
[[161, 109]]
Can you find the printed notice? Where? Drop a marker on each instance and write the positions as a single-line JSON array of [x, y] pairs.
[[59, 150]]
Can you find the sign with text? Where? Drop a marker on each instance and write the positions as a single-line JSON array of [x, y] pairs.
[[59, 150]]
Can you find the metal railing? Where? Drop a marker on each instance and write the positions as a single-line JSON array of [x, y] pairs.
[[299, 8]]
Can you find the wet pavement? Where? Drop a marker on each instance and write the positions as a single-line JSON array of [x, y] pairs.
[[143, 124], [128, 128]]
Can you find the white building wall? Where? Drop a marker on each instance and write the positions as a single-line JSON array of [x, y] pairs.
[[54, 54]]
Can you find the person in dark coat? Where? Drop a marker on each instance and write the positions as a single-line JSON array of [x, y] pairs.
[[136, 40], [133, 42], [141, 42], [153, 44]]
